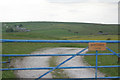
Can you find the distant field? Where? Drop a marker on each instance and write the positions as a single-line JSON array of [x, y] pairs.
[[67, 29], [54, 30], [62, 31]]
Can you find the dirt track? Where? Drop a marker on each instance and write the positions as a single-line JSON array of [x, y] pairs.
[[44, 62]]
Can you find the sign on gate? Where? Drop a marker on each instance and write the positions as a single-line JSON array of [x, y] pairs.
[[97, 46]]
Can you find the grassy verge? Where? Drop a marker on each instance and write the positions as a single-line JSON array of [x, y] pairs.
[[27, 48], [105, 60], [102, 61], [58, 73], [7, 74]]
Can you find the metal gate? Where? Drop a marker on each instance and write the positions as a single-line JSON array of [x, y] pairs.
[[71, 56]]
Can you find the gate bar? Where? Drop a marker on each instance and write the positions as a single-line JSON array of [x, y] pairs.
[[61, 41], [4, 62], [112, 51], [115, 77], [46, 68], [23, 55]]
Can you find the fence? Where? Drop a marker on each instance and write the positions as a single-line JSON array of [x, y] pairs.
[[72, 56]]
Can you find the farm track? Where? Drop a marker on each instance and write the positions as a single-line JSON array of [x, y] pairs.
[[44, 62], [77, 61]]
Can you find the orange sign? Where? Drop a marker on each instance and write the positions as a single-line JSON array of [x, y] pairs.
[[97, 46]]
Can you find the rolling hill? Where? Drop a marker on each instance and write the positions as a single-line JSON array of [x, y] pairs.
[[60, 30]]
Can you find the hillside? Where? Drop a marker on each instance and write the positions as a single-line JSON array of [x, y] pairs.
[[60, 30]]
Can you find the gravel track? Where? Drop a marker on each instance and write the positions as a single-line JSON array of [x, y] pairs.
[[29, 62]]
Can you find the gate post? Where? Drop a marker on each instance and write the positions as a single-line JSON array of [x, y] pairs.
[[8, 62], [96, 64]]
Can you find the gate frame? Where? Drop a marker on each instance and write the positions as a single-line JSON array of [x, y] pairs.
[[72, 56]]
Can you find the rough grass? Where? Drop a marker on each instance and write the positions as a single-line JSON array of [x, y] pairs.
[[105, 60]]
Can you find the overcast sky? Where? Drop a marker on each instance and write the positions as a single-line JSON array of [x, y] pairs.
[[92, 11]]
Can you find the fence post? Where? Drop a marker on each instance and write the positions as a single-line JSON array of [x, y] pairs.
[[8, 62], [96, 65]]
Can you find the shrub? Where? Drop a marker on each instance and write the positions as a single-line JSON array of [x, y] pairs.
[[108, 38], [10, 29]]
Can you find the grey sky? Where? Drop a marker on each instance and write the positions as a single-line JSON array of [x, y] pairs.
[[92, 11], [107, 1]]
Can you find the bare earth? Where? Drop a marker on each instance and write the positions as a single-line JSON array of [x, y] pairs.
[[29, 62]]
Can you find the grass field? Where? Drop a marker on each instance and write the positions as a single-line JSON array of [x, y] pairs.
[[62, 31]]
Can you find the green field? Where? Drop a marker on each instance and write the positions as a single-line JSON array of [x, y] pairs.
[[62, 31]]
